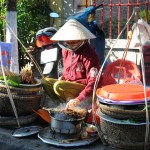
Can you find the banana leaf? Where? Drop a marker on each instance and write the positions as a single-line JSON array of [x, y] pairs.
[[12, 80]]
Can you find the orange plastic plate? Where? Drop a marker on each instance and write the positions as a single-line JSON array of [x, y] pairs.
[[123, 92]]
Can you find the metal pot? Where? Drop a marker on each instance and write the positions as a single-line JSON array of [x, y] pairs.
[[66, 126]]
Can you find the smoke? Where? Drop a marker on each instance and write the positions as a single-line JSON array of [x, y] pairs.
[[84, 104]]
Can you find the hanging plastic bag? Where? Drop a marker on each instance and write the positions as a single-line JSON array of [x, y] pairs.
[[141, 28]]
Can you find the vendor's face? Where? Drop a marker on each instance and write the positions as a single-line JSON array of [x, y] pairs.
[[73, 44]]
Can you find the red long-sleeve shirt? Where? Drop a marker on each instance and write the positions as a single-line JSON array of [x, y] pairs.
[[81, 66]]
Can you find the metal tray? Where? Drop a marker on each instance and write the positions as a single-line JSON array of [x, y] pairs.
[[66, 140]]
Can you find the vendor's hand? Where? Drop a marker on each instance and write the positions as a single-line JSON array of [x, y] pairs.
[[72, 103], [61, 78]]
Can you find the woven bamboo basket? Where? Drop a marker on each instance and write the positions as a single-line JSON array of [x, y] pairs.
[[23, 89], [11, 122], [124, 137], [125, 112], [23, 103]]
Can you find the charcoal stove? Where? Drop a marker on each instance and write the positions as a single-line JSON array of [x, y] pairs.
[[67, 129], [62, 123]]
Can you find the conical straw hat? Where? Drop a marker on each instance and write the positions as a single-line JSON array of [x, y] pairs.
[[72, 30]]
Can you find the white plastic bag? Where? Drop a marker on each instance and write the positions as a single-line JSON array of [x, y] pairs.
[[143, 29]]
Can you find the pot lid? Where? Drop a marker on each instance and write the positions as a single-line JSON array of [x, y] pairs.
[[26, 131], [123, 92]]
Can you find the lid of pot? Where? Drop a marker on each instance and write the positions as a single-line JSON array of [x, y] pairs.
[[123, 92], [26, 131]]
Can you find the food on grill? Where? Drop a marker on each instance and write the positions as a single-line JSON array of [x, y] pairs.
[[68, 114]]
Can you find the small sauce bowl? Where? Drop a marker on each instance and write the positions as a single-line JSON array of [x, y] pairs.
[[91, 130]]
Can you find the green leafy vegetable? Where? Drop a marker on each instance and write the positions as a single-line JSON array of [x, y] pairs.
[[12, 80]]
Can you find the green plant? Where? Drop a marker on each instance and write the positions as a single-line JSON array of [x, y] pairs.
[[2, 23], [115, 28], [143, 15], [32, 15]]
